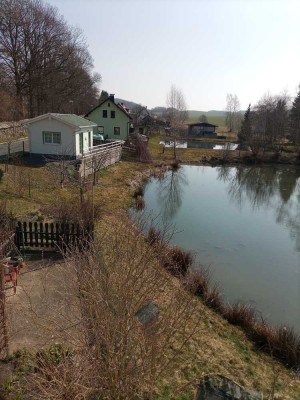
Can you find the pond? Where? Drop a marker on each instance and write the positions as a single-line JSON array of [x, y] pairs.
[[196, 144], [242, 222]]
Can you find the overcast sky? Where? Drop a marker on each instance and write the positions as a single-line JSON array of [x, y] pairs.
[[205, 48]]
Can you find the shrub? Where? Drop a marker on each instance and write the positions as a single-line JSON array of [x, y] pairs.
[[178, 261], [139, 203], [281, 342], [139, 192], [175, 165], [154, 236], [198, 282], [213, 298], [73, 212], [240, 314]]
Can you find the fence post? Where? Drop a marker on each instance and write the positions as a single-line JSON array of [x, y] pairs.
[[3, 317]]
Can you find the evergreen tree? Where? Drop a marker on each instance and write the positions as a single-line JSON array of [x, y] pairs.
[[245, 132], [295, 120]]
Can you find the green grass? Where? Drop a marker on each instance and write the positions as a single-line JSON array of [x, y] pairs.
[[216, 347], [219, 120]]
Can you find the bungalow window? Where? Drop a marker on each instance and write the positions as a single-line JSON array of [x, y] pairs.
[[100, 129], [52, 137], [104, 113], [117, 130], [112, 114]]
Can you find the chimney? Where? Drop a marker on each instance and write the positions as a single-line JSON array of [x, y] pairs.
[[112, 97]]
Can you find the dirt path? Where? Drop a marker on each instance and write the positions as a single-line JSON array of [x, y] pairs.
[[43, 311]]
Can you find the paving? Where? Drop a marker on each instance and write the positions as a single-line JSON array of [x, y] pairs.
[[16, 147], [44, 309]]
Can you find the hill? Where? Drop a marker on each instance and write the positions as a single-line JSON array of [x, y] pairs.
[[127, 103], [216, 117]]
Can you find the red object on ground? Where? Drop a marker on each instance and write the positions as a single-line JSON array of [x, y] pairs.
[[12, 270]]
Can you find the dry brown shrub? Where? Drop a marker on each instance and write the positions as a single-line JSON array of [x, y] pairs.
[[134, 320]]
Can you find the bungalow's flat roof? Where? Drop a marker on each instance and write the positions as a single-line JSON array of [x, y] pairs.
[[202, 124]]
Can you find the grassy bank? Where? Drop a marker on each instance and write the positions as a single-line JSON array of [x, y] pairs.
[[215, 346], [209, 156]]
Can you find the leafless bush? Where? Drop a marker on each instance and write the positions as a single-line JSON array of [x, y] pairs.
[[139, 203], [177, 261], [279, 342], [198, 283], [134, 318], [240, 314], [74, 212]]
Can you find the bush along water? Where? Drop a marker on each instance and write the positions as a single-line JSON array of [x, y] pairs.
[[279, 342]]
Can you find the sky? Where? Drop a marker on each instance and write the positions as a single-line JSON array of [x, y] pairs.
[[206, 48]]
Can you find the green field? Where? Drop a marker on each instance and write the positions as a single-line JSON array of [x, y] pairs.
[[213, 117]]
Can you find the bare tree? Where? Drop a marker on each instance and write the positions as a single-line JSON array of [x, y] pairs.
[[233, 118], [41, 56], [176, 112], [270, 120], [295, 120]]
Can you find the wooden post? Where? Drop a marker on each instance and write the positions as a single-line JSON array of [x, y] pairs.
[[3, 317], [30, 234], [42, 234]]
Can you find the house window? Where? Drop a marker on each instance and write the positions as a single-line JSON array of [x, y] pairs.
[[52, 137], [100, 129], [117, 130], [104, 113], [108, 104], [112, 114], [90, 141]]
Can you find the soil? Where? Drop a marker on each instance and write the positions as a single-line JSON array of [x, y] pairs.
[[40, 312]]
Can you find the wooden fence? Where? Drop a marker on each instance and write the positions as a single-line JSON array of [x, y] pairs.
[[51, 235]]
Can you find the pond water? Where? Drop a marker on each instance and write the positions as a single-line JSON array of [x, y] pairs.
[[196, 144], [244, 223]]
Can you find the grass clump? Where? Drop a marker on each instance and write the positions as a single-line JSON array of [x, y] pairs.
[[178, 261], [240, 314], [279, 342]]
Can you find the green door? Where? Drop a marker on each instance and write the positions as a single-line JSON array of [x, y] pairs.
[[81, 143]]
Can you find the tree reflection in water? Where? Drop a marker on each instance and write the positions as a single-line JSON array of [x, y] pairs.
[[170, 192], [267, 186]]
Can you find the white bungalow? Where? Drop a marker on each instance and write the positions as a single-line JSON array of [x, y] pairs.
[[59, 134]]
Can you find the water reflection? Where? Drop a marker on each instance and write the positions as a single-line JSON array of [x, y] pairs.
[[170, 190], [272, 187]]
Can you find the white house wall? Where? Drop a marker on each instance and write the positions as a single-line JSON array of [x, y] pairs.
[[35, 133], [85, 140]]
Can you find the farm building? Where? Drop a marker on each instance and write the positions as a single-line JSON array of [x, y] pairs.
[[59, 134], [111, 120], [202, 129]]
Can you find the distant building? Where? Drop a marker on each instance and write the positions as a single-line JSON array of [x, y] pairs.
[[202, 129], [112, 120]]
